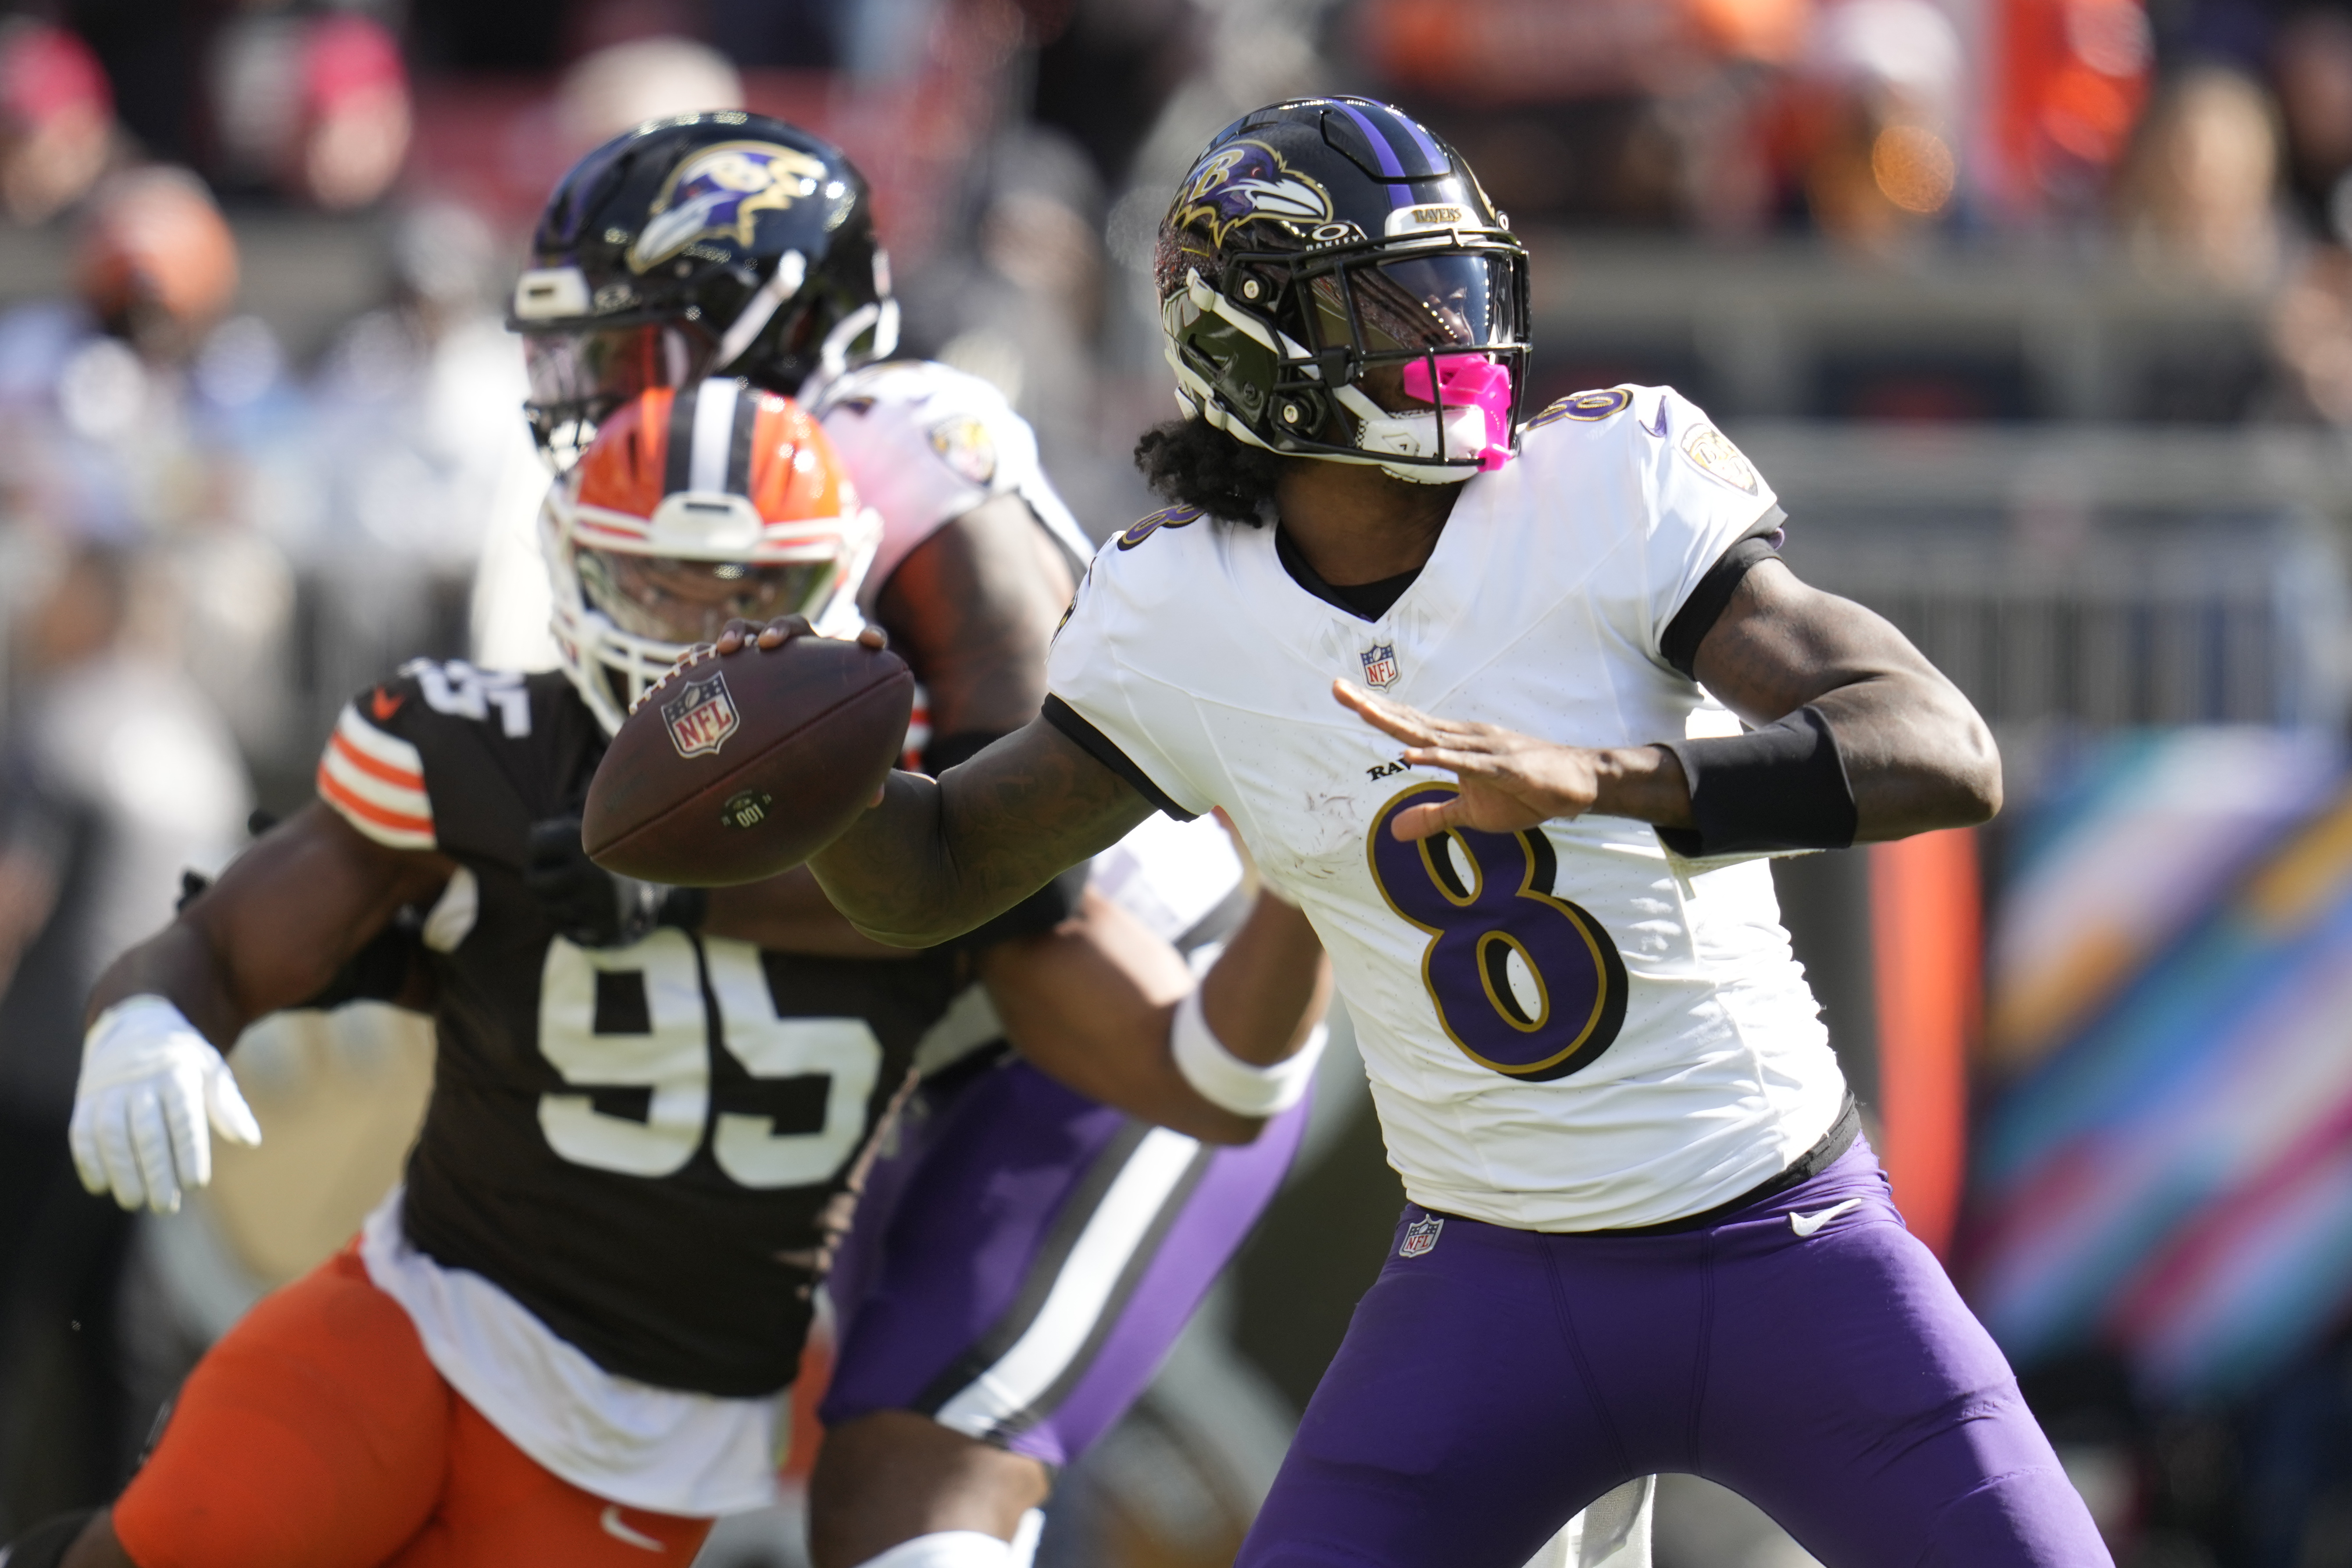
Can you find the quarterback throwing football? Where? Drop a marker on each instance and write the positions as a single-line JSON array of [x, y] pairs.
[[1644, 1233]]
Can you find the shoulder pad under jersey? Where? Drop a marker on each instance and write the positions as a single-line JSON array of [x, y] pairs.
[[926, 442]]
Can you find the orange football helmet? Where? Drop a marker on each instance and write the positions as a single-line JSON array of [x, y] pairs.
[[694, 506]]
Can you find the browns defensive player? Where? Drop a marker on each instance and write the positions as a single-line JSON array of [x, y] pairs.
[[568, 1337], [736, 244]]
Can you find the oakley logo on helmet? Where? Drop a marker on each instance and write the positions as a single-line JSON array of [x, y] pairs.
[[720, 191], [1246, 180]]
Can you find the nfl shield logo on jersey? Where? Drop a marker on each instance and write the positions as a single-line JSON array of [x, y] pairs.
[[1380, 664], [701, 717], [1420, 1237]]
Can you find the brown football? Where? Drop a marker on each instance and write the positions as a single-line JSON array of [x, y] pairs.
[[735, 769]]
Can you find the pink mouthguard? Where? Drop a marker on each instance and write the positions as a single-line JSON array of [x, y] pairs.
[[1466, 382]]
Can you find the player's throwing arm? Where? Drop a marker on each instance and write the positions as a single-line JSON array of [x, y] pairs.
[[1511, 705], [1858, 738]]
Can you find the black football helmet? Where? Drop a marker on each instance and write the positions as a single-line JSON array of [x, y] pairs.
[[1326, 249], [716, 243]]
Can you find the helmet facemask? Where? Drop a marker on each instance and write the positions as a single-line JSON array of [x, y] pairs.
[[578, 378], [681, 600], [1411, 357]]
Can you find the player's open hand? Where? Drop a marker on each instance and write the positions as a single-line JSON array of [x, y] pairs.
[[741, 634], [152, 1091], [1509, 780]]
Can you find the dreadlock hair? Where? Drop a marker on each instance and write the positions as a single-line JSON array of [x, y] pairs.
[[1188, 462]]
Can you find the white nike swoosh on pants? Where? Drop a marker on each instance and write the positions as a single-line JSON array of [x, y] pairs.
[[620, 1529], [1806, 1224]]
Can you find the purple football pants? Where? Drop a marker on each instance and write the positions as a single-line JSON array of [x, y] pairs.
[[1025, 1258], [1502, 1379]]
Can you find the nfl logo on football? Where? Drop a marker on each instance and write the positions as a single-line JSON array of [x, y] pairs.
[[1380, 666], [1420, 1237], [701, 717]]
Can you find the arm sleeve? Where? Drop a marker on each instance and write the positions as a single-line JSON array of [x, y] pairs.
[[373, 777], [1704, 498]]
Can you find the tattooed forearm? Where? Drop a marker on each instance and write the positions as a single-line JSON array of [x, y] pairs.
[[938, 857]]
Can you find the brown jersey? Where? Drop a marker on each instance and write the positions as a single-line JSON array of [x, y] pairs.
[[649, 1147]]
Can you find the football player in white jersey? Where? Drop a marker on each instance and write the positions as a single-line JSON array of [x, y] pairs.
[[1644, 1233], [734, 245]]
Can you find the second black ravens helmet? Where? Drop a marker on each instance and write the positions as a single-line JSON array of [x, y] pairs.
[[716, 243]]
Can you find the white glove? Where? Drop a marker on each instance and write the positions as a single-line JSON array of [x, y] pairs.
[[148, 1084]]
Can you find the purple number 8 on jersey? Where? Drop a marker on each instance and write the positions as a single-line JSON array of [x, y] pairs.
[[1504, 908]]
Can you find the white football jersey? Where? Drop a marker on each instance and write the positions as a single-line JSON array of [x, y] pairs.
[[926, 442], [1566, 1028]]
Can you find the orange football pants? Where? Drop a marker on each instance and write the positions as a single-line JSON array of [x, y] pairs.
[[317, 1435]]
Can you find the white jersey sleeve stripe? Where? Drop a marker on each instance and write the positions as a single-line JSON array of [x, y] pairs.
[[714, 431], [389, 749], [408, 800], [376, 782], [1087, 737]]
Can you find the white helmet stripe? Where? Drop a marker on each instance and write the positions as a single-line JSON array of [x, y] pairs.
[[792, 271], [714, 433]]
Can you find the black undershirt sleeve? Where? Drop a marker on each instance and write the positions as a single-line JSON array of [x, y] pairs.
[[1100, 747], [1704, 606], [1780, 788]]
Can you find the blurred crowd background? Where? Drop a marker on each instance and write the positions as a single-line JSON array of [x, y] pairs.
[[2038, 312]]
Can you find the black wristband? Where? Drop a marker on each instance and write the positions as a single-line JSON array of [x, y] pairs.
[[1780, 788]]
